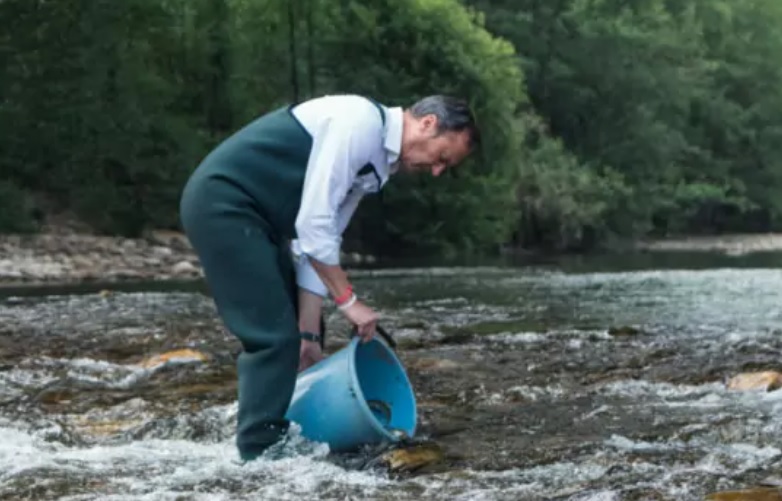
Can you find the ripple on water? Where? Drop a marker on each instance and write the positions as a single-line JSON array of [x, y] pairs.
[[36, 373], [93, 313]]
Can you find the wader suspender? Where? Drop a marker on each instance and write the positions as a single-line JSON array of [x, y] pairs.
[[369, 167]]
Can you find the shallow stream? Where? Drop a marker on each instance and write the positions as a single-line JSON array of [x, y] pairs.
[[577, 381]]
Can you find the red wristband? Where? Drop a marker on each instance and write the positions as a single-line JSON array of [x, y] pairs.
[[342, 299]]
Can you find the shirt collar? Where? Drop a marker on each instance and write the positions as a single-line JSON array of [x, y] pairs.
[[393, 139]]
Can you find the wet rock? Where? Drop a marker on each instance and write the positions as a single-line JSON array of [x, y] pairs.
[[409, 344], [162, 251], [760, 494], [167, 238], [623, 331], [55, 396], [82, 261], [414, 324], [455, 336], [177, 356], [199, 389], [412, 458], [6, 273], [184, 268], [108, 427], [772, 481], [433, 364], [766, 381], [119, 418]]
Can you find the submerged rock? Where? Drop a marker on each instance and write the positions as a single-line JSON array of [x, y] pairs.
[[624, 330], [412, 458], [760, 494], [403, 458], [108, 427], [176, 356], [433, 364], [103, 422], [766, 380]]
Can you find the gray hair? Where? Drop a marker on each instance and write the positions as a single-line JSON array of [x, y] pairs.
[[453, 115]]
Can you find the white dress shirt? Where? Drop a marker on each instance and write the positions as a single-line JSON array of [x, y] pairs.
[[347, 133]]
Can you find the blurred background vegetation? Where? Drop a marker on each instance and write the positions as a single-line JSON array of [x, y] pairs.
[[604, 120]]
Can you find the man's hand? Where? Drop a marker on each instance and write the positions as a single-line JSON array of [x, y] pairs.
[[309, 354], [360, 315], [364, 318]]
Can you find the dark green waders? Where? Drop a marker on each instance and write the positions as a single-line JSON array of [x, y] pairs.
[[238, 210]]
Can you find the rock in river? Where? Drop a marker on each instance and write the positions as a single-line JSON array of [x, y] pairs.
[[766, 380], [760, 494], [176, 356], [412, 458]]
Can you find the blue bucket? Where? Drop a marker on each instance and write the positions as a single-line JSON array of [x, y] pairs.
[[360, 395]]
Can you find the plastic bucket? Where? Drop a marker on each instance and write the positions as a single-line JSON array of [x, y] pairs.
[[359, 395]]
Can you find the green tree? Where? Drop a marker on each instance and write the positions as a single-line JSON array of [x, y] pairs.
[[661, 93], [401, 50]]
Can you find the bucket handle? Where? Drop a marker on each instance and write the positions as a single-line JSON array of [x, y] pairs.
[[389, 339]]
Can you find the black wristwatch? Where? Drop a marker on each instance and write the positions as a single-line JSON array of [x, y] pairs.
[[309, 336]]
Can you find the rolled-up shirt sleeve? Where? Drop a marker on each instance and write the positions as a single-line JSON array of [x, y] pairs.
[[342, 145], [306, 276]]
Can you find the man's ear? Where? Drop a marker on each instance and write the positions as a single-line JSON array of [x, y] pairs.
[[429, 122]]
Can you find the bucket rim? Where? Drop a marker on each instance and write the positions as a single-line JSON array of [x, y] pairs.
[[362, 400]]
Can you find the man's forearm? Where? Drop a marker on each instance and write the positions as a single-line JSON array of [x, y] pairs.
[[310, 311], [333, 277], [335, 280]]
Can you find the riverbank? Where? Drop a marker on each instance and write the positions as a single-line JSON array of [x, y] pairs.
[[77, 257], [63, 256], [58, 256], [733, 245]]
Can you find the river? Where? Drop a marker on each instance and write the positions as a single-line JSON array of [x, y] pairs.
[[581, 379]]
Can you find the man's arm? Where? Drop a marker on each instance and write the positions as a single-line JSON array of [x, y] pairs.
[[342, 145], [306, 275], [312, 291]]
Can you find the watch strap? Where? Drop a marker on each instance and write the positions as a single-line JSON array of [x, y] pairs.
[[309, 336]]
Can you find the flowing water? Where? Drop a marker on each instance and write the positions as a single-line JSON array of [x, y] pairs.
[[579, 381]]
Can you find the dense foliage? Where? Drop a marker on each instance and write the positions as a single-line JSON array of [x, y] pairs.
[[672, 108], [602, 118]]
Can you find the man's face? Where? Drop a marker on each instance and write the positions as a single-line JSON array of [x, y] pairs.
[[427, 151]]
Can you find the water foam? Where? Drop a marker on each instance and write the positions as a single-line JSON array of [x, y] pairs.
[[162, 468]]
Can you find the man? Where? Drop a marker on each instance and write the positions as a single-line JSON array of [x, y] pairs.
[[287, 184]]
